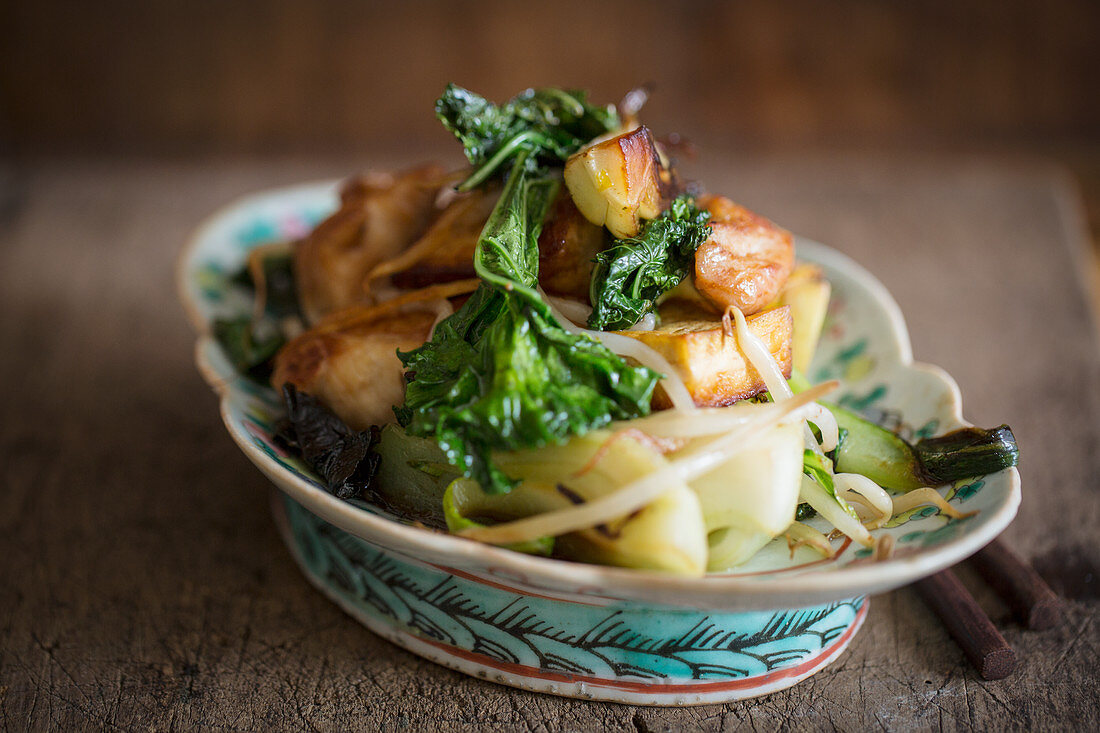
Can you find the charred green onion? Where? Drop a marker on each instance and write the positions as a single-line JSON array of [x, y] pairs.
[[892, 463]]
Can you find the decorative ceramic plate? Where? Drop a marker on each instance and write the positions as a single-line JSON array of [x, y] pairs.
[[589, 630]]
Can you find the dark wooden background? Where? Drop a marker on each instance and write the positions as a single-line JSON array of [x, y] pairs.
[[124, 77], [250, 76]]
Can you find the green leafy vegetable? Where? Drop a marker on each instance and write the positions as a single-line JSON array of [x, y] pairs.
[[550, 123], [813, 465], [248, 347], [965, 453], [501, 373], [251, 346], [630, 276], [892, 463], [803, 512], [882, 456], [280, 292]]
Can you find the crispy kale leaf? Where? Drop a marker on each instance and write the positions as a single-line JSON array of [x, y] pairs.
[[630, 275], [479, 125], [341, 455], [501, 373], [551, 123]]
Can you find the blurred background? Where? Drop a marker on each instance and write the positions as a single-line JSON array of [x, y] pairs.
[[347, 78]]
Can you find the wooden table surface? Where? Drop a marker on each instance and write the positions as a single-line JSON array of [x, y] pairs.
[[142, 583]]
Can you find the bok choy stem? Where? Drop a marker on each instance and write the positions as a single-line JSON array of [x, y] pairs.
[[882, 456]]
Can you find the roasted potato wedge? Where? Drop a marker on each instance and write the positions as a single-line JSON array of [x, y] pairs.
[[617, 183], [710, 362], [354, 368], [445, 252], [568, 245], [807, 293], [378, 217]]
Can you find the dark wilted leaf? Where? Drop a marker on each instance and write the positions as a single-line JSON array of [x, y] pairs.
[[340, 454]]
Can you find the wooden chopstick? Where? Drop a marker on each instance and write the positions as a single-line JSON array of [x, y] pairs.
[[1032, 601], [968, 624]]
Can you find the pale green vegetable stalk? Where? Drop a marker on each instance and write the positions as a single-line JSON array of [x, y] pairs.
[[460, 499], [750, 499], [638, 493], [668, 534]]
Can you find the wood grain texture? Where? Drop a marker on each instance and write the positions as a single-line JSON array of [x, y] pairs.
[[142, 583], [968, 625], [1030, 599]]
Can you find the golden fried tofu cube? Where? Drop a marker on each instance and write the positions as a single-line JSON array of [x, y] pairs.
[[712, 365]]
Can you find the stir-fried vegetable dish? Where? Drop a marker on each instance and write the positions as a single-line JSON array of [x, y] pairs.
[[565, 348]]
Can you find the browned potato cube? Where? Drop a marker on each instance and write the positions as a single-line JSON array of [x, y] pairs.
[[616, 183]]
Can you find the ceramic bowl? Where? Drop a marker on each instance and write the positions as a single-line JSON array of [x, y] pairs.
[[587, 630]]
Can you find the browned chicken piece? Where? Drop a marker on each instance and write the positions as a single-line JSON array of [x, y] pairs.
[[745, 261], [710, 361], [567, 245], [349, 361], [446, 251], [378, 217]]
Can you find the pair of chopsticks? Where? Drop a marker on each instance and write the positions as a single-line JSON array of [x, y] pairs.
[[1031, 600]]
